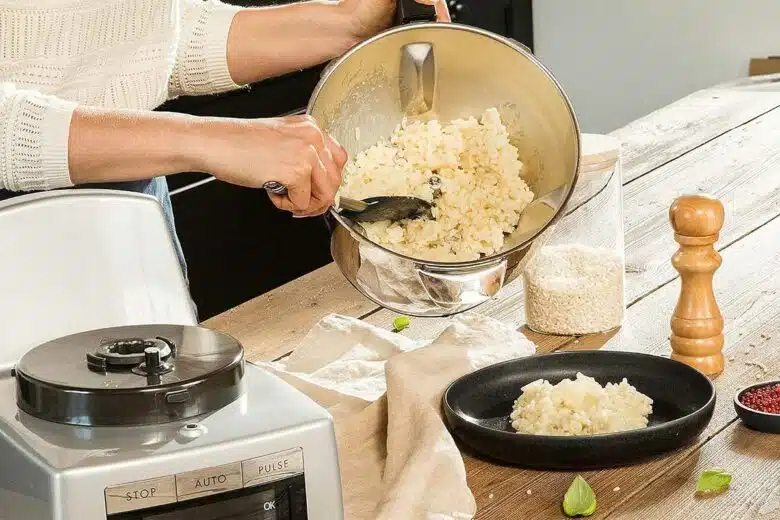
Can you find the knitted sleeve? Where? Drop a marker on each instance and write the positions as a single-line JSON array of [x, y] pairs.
[[34, 132], [201, 60]]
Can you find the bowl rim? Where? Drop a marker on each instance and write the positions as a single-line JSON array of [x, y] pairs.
[[738, 404], [509, 42], [624, 435]]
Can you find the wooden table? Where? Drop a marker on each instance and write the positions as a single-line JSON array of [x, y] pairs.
[[724, 141]]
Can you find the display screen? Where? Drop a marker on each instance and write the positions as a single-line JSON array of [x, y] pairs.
[[257, 506], [284, 500]]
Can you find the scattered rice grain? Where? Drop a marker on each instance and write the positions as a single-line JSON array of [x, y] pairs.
[[757, 364]]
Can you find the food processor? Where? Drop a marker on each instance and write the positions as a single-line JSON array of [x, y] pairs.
[[115, 404]]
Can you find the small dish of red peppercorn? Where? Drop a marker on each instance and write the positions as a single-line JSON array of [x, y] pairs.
[[759, 406]]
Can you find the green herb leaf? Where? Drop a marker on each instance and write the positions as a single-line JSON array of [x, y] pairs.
[[579, 499], [401, 323], [715, 480]]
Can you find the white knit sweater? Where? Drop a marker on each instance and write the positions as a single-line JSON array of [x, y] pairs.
[[55, 54]]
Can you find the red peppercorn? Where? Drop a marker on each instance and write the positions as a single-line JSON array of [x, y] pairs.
[[763, 399]]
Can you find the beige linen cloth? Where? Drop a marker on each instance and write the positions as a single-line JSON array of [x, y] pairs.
[[398, 461]]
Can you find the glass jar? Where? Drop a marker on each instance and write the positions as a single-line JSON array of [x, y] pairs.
[[575, 283]]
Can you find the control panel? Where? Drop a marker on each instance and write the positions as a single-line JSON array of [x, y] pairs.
[[271, 487]]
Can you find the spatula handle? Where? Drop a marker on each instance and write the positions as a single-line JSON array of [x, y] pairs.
[[275, 188], [344, 203]]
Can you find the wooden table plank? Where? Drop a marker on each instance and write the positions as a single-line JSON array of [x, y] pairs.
[[751, 457], [274, 323], [737, 168], [748, 291], [674, 130]]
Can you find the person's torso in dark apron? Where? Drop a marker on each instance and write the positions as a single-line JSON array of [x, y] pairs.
[[157, 187]]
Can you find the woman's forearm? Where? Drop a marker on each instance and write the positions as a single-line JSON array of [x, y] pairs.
[[115, 146], [272, 41]]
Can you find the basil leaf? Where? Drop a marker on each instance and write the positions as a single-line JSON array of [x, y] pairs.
[[401, 323], [579, 499], [715, 480]]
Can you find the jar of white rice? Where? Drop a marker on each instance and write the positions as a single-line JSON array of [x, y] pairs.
[[575, 284]]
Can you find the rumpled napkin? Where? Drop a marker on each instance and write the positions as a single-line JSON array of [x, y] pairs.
[[398, 461]]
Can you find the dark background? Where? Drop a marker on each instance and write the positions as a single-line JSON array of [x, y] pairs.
[[237, 244]]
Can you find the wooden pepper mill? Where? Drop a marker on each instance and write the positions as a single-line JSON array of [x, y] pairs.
[[697, 325]]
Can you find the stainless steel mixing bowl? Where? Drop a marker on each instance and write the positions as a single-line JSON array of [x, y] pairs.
[[451, 71]]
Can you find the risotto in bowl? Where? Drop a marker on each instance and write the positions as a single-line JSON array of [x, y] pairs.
[[467, 168]]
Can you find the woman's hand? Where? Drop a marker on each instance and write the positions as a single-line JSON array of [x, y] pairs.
[[372, 16], [292, 151]]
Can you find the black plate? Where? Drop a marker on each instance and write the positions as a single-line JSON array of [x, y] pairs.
[[753, 419], [477, 408]]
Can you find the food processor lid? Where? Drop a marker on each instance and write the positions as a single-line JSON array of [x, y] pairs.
[[130, 375], [599, 153]]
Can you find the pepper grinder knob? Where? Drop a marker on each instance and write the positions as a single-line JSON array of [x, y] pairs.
[[697, 324]]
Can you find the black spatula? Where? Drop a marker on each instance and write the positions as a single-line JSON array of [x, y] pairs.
[[373, 209]]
